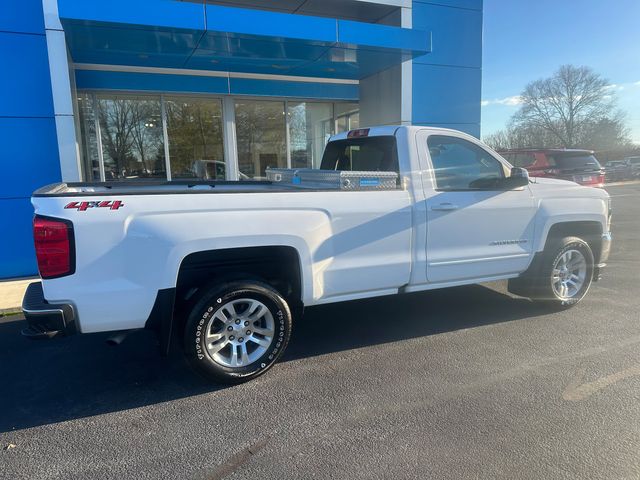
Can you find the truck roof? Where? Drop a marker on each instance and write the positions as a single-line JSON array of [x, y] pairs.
[[388, 130]]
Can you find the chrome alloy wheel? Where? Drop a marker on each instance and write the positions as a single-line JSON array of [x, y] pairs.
[[239, 332], [569, 274]]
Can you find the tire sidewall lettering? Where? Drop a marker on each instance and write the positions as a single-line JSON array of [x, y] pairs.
[[208, 311]]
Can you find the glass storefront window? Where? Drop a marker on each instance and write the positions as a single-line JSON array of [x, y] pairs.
[[194, 128], [125, 135], [347, 116], [132, 137], [310, 126], [261, 134]]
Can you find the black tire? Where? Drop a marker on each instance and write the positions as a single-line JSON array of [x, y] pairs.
[[537, 283], [212, 305]]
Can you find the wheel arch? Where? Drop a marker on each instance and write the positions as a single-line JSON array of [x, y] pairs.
[[588, 230], [277, 265], [280, 266]]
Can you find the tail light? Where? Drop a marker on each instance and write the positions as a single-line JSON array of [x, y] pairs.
[[54, 244], [596, 180]]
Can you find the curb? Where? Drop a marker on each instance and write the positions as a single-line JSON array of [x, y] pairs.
[[12, 293]]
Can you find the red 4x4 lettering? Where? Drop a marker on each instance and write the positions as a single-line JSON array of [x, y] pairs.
[[84, 206]]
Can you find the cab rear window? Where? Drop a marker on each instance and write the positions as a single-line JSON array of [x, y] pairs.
[[579, 160], [373, 154]]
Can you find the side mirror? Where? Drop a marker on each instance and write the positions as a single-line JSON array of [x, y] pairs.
[[519, 177]]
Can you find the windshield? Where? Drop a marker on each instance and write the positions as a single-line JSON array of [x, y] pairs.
[[574, 161]]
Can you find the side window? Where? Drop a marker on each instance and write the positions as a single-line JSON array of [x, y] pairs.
[[551, 160], [461, 165], [509, 157], [522, 160]]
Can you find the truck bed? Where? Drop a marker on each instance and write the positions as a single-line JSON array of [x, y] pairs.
[[284, 180], [160, 187]]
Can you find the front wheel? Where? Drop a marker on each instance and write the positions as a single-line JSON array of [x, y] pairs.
[[566, 272], [237, 331]]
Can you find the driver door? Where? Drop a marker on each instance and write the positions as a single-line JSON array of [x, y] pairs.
[[476, 228]]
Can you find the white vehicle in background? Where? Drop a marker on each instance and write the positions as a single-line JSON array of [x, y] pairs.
[[227, 266], [212, 170]]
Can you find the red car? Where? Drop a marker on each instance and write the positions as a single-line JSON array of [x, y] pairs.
[[580, 166]]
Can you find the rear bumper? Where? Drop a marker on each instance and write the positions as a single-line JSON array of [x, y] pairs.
[[605, 250], [46, 320], [595, 178]]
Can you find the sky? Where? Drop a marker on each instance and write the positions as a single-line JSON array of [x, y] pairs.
[[525, 40]]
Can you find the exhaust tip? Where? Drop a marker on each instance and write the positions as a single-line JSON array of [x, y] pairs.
[[118, 338]]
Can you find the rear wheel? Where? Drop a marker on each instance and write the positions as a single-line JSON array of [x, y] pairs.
[[237, 332]]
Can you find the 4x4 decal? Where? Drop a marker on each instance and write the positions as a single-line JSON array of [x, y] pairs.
[[83, 206]]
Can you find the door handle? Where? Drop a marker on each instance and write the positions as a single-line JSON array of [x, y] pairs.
[[444, 207]]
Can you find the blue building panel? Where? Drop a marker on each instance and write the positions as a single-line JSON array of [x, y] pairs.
[[115, 45], [234, 39], [457, 99], [270, 24], [25, 87], [366, 35], [17, 253], [23, 16], [457, 34], [158, 83], [150, 82], [150, 13], [447, 81], [234, 53], [330, 91], [27, 130], [29, 155]]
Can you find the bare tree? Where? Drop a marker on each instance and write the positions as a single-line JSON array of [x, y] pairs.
[[146, 133], [601, 134], [574, 108], [115, 124], [565, 105], [523, 136], [500, 140]]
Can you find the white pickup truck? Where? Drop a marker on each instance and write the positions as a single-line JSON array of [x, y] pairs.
[[226, 266]]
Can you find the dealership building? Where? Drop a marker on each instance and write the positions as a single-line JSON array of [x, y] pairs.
[[176, 90]]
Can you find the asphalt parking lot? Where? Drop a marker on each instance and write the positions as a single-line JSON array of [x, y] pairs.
[[460, 383]]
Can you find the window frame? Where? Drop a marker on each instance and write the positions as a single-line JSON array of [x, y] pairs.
[[390, 140], [506, 167]]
